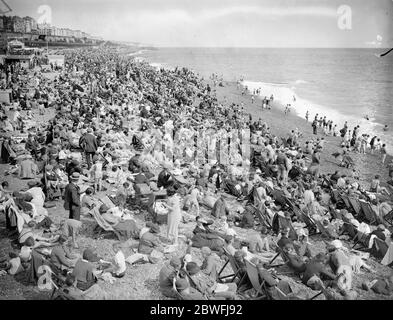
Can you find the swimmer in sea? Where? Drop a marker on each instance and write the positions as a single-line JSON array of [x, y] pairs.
[[367, 117], [386, 128]]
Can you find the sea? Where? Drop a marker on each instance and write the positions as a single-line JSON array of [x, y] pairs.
[[341, 84]]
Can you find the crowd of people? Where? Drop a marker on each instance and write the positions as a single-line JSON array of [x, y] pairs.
[[134, 148]]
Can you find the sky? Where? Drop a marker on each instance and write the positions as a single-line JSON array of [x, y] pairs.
[[223, 23]]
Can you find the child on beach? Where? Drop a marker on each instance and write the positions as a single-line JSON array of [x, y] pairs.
[[96, 173]]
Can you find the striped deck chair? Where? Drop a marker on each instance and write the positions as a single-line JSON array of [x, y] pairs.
[[104, 225], [389, 218], [258, 285], [368, 212]]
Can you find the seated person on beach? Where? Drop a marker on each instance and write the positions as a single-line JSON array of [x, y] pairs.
[[293, 261], [126, 228], [277, 289], [329, 229], [167, 273], [210, 263], [186, 291], [208, 286], [118, 269], [29, 231], [204, 237], [150, 247], [258, 243], [61, 256], [88, 201], [84, 270], [220, 208], [380, 286], [302, 246], [316, 270], [247, 220]]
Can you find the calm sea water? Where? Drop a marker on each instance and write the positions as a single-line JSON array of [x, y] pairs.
[[343, 84]]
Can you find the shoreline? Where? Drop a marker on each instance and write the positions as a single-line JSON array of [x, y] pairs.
[[366, 165]]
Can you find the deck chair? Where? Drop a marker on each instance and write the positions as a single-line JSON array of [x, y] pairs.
[[103, 224], [61, 294], [263, 218], [362, 239], [336, 195], [192, 284], [389, 218], [379, 248], [235, 268], [258, 285], [322, 229], [310, 223], [346, 201], [355, 205], [368, 212], [350, 229]]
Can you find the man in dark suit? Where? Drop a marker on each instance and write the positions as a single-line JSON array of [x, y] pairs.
[[89, 144], [71, 197]]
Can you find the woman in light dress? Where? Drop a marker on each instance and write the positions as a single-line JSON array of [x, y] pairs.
[[174, 217]]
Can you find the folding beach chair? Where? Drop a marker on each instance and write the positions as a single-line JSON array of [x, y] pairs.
[[322, 229], [192, 284], [368, 212], [346, 201], [336, 195], [235, 268], [350, 229], [263, 217], [258, 285], [362, 239], [379, 248], [280, 222], [355, 205], [310, 223], [104, 225], [389, 218]]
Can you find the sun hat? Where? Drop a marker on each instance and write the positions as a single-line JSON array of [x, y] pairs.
[[175, 262], [90, 256], [104, 208], [75, 176], [181, 284], [206, 251], [192, 268], [336, 244]]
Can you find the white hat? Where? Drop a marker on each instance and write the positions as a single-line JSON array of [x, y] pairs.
[[336, 244]]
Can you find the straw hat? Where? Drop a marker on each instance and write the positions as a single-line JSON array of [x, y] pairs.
[[75, 176]]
